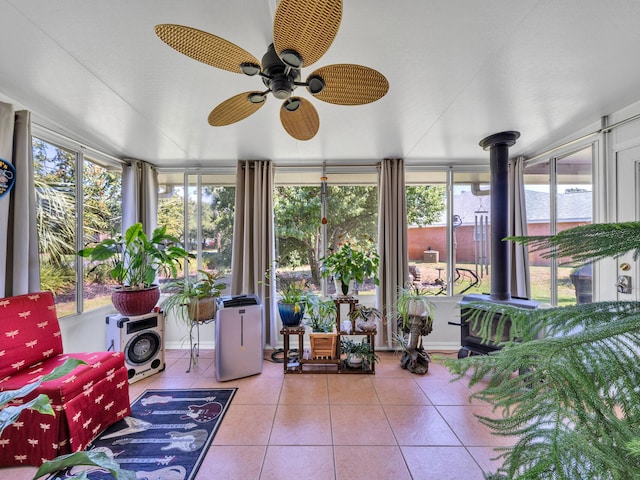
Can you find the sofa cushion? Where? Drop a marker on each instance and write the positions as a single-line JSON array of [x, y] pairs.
[[81, 380], [29, 331]]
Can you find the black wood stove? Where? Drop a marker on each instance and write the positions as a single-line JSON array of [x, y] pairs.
[[498, 146]]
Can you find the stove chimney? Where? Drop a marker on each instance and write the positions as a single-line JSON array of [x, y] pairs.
[[498, 145]]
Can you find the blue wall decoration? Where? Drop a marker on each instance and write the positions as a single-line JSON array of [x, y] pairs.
[[7, 177]]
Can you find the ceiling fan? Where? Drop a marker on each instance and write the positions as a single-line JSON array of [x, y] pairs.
[[303, 30]]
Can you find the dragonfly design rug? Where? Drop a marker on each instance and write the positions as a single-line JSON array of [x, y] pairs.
[[167, 435]]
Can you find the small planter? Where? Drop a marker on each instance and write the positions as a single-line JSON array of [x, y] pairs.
[[365, 319], [354, 361], [203, 309], [291, 314], [418, 308], [344, 290], [323, 346]]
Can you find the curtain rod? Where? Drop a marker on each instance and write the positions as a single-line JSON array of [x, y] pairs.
[[606, 129], [319, 166]]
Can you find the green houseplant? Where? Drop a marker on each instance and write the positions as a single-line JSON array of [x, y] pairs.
[[321, 314], [321, 318], [135, 261], [363, 318], [293, 293], [359, 354], [194, 300], [415, 319], [574, 406], [350, 263]]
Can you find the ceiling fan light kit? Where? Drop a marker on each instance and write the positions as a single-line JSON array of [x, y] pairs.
[[303, 30]]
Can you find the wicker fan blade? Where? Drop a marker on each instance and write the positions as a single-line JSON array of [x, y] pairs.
[[303, 123], [347, 84], [307, 27], [205, 47], [234, 109]]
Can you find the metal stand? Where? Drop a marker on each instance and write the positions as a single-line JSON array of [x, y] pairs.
[[195, 347]]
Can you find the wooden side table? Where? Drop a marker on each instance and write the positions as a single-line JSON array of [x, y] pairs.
[[352, 301], [286, 332]]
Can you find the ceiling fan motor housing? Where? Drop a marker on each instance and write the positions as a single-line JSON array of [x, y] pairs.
[[277, 76]]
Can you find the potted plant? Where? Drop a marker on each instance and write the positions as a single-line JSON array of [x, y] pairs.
[[321, 319], [349, 264], [135, 261], [363, 318], [321, 314], [415, 319], [293, 296], [194, 300], [359, 354]]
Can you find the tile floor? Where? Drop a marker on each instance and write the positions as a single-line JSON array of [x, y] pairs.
[[391, 425]]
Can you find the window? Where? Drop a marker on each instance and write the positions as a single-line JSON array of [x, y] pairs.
[[303, 238], [559, 196], [449, 235], [202, 219], [471, 228], [70, 214]]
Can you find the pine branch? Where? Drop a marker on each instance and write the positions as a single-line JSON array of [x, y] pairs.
[[587, 243], [574, 406]]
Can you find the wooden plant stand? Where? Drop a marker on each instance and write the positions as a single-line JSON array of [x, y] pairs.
[[310, 365]]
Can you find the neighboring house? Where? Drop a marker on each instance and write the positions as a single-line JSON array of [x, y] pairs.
[[574, 208]]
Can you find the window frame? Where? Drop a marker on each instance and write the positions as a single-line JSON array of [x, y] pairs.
[[552, 158], [453, 175], [80, 153]]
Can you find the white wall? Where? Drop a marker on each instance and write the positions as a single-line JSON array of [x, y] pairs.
[[86, 332]]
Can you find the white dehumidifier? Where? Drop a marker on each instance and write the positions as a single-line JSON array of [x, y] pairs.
[[239, 337]]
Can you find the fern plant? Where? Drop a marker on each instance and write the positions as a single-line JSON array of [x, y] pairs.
[[567, 382]]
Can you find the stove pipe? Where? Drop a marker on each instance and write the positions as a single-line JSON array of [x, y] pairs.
[[498, 146]]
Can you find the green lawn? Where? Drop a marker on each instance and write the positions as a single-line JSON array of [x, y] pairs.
[[432, 273]]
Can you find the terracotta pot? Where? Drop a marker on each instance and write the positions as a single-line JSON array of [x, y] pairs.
[[135, 302]]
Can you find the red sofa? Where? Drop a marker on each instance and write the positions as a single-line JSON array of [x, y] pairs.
[[86, 401]]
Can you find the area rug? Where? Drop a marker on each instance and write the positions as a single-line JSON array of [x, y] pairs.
[[167, 435]]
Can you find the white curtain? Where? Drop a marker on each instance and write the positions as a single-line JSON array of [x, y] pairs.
[[19, 260], [253, 234], [140, 195], [392, 242], [520, 279]]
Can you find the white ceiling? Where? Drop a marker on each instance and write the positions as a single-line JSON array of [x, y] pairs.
[[458, 71]]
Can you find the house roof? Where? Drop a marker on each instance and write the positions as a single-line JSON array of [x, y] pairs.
[[573, 205]]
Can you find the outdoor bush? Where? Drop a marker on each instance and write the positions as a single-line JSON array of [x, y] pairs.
[[57, 279]]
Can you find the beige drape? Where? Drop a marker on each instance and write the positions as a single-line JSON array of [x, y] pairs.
[[520, 278], [253, 245], [139, 195], [19, 260], [392, 242]]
